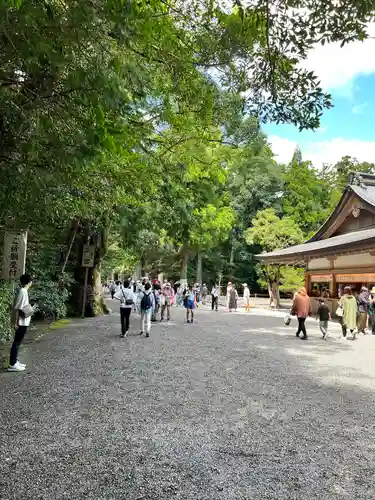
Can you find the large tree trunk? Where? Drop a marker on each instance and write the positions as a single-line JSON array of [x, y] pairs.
[[184, 266], [199, 268], [138, 271], [95, 304]]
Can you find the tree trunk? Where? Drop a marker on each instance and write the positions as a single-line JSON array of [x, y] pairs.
[[199, 267], [277, 288], [95, 304], [184, 266], [138, 271]]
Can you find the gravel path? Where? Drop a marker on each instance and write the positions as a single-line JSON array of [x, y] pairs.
[[232, 407]]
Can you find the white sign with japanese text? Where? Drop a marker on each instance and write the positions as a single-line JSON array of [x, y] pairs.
[[15, 244], [88, 255]]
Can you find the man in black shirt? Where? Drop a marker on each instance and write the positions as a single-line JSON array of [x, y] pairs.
[[324, 316]]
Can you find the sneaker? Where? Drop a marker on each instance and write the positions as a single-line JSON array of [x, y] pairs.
[[147, 334], [304, 338], [188, 321], [21, 364], [17, 367], [140, 333]]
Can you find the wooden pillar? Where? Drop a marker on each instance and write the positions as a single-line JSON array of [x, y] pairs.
[[332, 287], [308, 283], [332, 284]]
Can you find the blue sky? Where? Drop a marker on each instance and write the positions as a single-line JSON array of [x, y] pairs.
[[348, 73]]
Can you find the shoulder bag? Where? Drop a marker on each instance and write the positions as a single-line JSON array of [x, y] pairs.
[[340, 312], [129, 301], [26, 311]]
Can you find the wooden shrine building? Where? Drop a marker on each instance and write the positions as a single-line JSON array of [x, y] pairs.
[[342, 252]]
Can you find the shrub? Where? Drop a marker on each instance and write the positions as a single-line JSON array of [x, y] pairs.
[[51, 295], [5, 311]]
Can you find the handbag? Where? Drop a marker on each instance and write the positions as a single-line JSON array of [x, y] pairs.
[[340, 312], [26, 311], [287, 319]]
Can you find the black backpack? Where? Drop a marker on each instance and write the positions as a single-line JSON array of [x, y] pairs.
[[146, 302]]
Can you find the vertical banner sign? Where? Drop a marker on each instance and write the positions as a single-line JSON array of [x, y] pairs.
[[15, 244]]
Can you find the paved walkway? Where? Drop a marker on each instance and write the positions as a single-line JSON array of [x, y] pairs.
[[233, 407]]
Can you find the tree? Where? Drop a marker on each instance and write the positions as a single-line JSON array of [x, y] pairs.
[[270, 232], [306, 196]]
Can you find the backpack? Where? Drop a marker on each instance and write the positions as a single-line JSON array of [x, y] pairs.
[[146, 302]]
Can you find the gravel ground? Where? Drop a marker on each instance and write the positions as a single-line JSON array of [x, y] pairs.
[[232, 407]]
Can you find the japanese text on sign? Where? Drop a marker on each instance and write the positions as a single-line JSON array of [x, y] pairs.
[[14, 255], [88, 255]]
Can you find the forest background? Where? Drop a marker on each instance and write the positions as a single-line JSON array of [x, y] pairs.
[[136, 126]]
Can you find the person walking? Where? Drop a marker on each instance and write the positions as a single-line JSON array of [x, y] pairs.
[[147, 309], [363, 305], [22, 312], [155, 291], [167, 292], [302, 309], [246, 297], [204, 293], [126, 297], [371, 310], [324, 316], [215, 292], [112, 289], [229, 289], [190, 302], [233, 298], [349, 306]]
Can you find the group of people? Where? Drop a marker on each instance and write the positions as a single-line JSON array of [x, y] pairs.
[[145, 297], [232, 297], [151, 298], [354, 312], [357, 311]]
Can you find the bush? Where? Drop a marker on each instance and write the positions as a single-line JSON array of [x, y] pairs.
[[51, 295], [6, 300]]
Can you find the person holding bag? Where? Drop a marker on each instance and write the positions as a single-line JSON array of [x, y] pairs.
[[126, 297], [302, 309], [23, 312]]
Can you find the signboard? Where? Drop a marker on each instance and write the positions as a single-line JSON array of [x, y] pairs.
[[88, 255], [355, 278], [15, 244], [321, 278]]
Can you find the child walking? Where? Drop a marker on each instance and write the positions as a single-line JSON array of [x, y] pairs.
[[190, 304], [147, 308], [324, 316]]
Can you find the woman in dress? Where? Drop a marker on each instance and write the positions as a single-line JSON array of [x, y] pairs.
[[232, 299]]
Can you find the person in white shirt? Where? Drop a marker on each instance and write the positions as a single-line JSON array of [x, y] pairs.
[[23, 312], [215, 292], [126, 297], [246, 297]]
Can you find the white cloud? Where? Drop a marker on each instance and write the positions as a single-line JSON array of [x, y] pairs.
[[283, 149], [337, 67], [319, 152], [359, 108]]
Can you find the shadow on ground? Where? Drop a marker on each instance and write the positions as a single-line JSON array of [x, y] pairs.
[[232, 407]]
